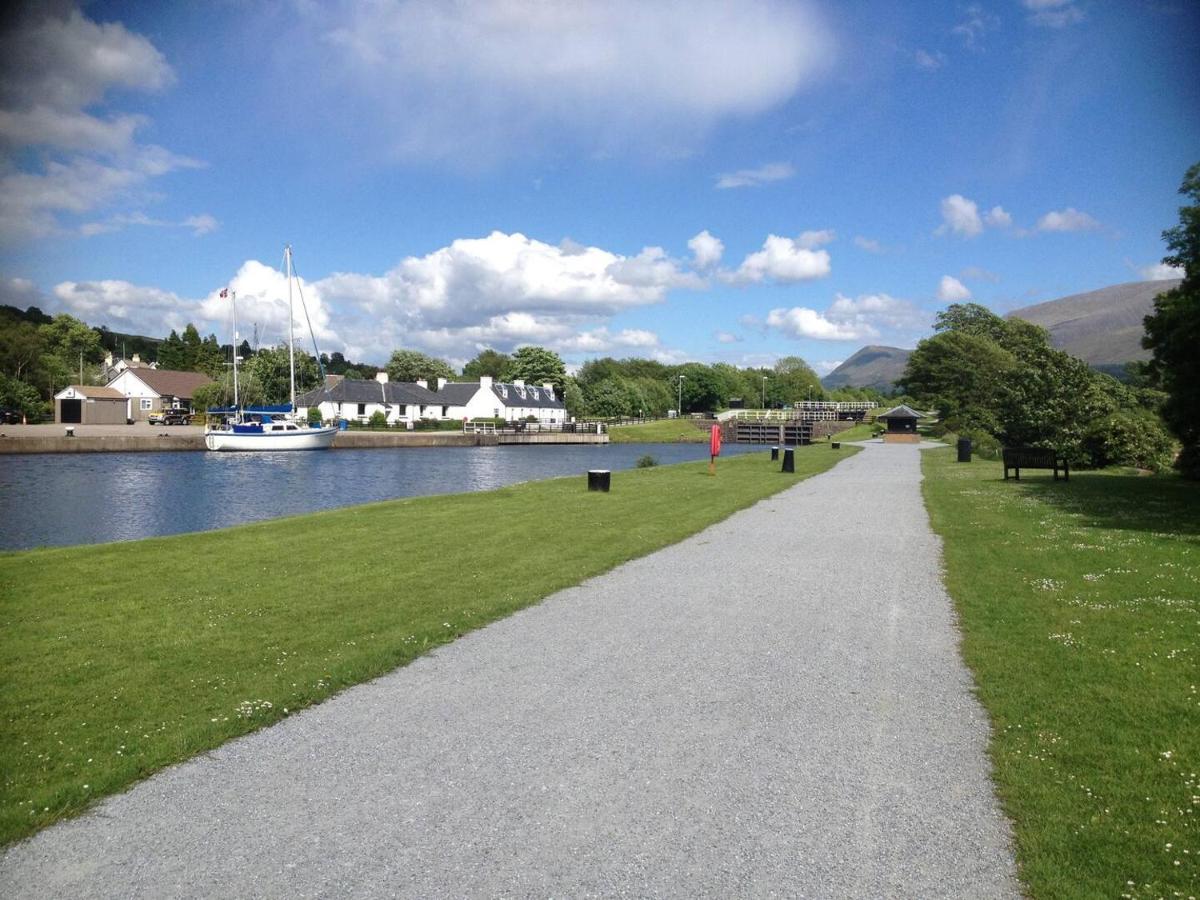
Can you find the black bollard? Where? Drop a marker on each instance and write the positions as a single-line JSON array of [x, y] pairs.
[[964, 449], [836, 445], [774, 453], [599, 479], [789, 460]]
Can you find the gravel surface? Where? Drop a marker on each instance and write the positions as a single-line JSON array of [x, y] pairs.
[[774, 707]]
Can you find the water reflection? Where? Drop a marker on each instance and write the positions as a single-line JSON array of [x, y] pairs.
[[69, 498]]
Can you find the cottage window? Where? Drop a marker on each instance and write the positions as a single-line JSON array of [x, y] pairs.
[[362, 409], [147, 404]]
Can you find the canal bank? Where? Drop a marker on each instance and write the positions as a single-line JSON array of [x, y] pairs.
[[144, 438]]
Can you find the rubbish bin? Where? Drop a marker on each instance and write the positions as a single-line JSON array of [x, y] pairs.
[[774, 454], [599, 479], [789, 460], [343, 424], [964, 449]]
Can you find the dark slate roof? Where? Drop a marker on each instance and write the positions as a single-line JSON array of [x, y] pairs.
[[530, 396], [170, 383], [355, 390], [457, 393], [901, 412]]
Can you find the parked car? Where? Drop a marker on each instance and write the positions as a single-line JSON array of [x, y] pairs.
[[170, 417], [10, 416]]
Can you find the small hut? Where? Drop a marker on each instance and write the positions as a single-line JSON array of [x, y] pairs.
[[80, 404], [901, 424]]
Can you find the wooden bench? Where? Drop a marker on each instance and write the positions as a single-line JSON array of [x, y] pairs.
[[1019, 458]]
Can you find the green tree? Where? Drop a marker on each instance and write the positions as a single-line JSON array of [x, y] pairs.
[[702, 389], [21, 349], [267, 375], [66, 343], [489, 362], [1173, 331], [959, 373], [795, 380], [537, 365], [572, 397], [409, 365], [16, 394], [192, 346], [172, 354]]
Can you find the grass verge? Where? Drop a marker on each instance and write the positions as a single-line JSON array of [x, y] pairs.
[[661, 431], [1080, 615], [112, 672]]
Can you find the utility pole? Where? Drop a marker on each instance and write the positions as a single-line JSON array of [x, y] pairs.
[[81, 367], [681, 377], [764, 402]]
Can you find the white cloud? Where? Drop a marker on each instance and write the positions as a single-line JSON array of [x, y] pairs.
[[1069, 219], [951, 290], [448, 79], [764, 174], [654, 269], [960, 216], [706, 250], [783, 259], [825, 366], [997, 217], [123, 306], [976, 22], [1160, 272], [849, 318], [976, 273], [1053, 13], [810, 240], [60, 157], [929, 61], [725, 337], [199, 225], [801, 322], [869, 244], [875, 311]]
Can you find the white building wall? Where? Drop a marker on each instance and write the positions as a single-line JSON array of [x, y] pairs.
[[136, 391]]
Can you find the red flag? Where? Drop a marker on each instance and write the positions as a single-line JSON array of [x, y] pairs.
[[224, 292], [714, 442]]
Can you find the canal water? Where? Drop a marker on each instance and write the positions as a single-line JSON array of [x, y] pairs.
[[85, 498]]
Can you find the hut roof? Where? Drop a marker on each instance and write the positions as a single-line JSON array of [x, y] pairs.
[[900, 412]]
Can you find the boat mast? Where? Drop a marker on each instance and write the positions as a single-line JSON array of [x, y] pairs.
[[233, 303], [287, 255]]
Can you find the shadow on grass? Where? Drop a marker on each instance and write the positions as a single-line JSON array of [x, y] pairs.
[[1163, 504]]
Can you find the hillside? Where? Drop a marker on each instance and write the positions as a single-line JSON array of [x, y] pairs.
[[1104, 327], [873, 367]]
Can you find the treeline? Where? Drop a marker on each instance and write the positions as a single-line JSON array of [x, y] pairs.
[[1000, 382], [40, 355]]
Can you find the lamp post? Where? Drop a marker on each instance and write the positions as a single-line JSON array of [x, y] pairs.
[[764, 405], [680, 405]]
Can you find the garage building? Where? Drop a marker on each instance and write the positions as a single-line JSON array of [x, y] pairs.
[[89, 405]]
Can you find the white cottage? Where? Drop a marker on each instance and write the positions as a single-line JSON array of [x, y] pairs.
[[488, 399], [357, 400]]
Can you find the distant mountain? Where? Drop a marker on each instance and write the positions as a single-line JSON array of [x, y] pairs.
[[873, 367], [1104, 327]]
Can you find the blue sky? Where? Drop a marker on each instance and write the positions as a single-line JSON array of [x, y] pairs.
[[677, 180]]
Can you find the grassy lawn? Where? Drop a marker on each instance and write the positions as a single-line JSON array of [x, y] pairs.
[[662, 431], [1080, 609], [110, 674]]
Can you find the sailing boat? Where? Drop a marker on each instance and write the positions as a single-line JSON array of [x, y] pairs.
[[268, 428]]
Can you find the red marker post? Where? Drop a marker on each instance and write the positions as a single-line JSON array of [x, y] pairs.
[[714, 449]]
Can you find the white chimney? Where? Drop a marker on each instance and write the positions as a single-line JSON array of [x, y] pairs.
[[441, 383], [108, 360], [137, 358], [485, 381], [548, 386], [421, 382], [381, 377], [518, 382]]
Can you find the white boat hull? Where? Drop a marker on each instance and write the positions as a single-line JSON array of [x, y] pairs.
[[271, 441]]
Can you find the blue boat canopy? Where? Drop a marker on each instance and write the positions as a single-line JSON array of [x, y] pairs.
[[230, 410]]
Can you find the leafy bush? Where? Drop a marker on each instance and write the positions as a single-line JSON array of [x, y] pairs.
[[1129, 438], [646, 462], [438, 425], [983, 444], [314, 416], [377, 420]]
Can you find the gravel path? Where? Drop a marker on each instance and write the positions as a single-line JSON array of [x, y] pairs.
[[774, 707]]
